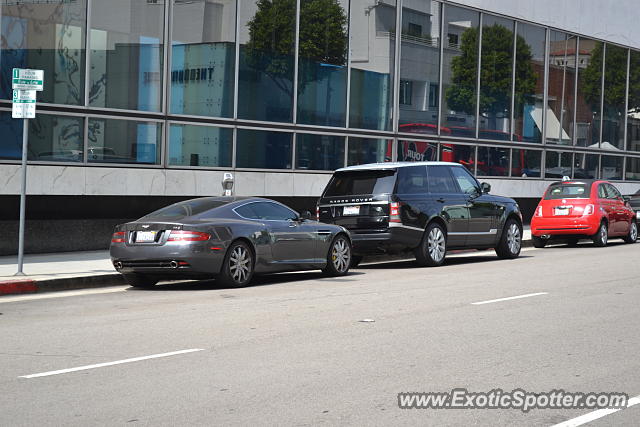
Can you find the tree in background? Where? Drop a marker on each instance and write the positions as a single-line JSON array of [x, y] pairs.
[[496, 73], [323, 38]]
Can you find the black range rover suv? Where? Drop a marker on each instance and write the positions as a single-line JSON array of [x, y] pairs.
[[426, 207]]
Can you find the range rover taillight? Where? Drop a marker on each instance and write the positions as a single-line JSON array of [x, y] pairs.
[[317, 213], [394, 212]]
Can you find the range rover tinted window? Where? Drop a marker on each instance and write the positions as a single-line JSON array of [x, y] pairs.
[[441, 181], [412, 179], [465, 181], [361, 182]]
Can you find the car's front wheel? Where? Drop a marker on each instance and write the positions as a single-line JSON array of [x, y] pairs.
[[238, 265], [632, 236], [139, 280], [433, 247], [511, 240], [339, 257], [601, 237]]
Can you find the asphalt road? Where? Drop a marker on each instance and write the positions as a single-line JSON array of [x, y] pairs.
[[292, 350]]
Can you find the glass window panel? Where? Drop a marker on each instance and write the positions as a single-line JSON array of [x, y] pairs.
[[124, 141], [463, 154], [369, 150], [322, 62], [127, 54], [561, 91], [496, 77], [460, 70], [319, 152], [615, 90], [200, 146], [633, 169], [263, 150], [372, 32], [493, 161], [529, 85], [420, 64], [267, 44], [48, 36], [11, 140], [56, 138], [589, 92], [633, 112], [203, 47], [526, 163], [417, 151], [557, 164], [611, 167], [585, 166]]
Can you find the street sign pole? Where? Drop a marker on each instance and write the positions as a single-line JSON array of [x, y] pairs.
[[25, 85], [23, 196]]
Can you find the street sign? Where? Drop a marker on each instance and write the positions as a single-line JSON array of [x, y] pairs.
[[24, 104], [24, 79]]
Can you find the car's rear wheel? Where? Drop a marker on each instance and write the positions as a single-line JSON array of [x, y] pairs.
[[601, 237], [632, 236], [139, 280], [433, 247], [339, 257], [511, 240], [539, 242], [238, 265]]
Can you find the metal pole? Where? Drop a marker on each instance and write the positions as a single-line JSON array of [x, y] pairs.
[[23, 196]]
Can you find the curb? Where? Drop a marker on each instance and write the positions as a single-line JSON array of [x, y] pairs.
[[29, 286]]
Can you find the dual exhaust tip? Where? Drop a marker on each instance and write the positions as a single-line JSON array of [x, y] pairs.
[[118, 265]]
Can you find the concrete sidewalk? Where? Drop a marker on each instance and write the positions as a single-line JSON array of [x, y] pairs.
[[76, 270]]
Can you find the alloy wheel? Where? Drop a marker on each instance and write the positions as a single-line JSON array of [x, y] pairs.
[[240, 264], [604, 233], [340, 255], [634, 232], [513, 238], [436, 244]]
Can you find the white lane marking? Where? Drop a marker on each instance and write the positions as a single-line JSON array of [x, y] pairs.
[[509, 298], [62, 294], [596, 414], [117, 362]]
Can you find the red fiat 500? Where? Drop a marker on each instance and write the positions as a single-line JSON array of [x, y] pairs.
[[573, 210]]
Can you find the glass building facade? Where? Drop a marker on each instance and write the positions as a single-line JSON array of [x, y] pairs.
[[315, 85]]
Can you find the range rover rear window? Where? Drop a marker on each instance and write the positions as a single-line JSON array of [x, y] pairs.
[[361, 182], [568, 191]]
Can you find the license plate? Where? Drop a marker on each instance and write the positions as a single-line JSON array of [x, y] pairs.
[[145, 236], [562, 211], [351, 210]]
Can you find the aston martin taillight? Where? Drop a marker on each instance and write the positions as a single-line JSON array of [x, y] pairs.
[[187, 236], [118, 237]]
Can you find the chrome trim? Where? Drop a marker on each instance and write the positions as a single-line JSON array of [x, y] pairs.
[[399, 225], [352, 204], [473, 233]]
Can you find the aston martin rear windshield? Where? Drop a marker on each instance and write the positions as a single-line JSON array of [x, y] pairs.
[[184, 209], [351, 183], [568, 191]]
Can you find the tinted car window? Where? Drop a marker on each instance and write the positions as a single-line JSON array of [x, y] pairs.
[[613, 192], [184, 209], [272, 212], [247, 211], [412, 179], [361, 182], [602, 191], [568, 191], [441, 181], [465, 181]]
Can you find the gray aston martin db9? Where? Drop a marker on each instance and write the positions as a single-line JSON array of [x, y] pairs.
[[227, 238]]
